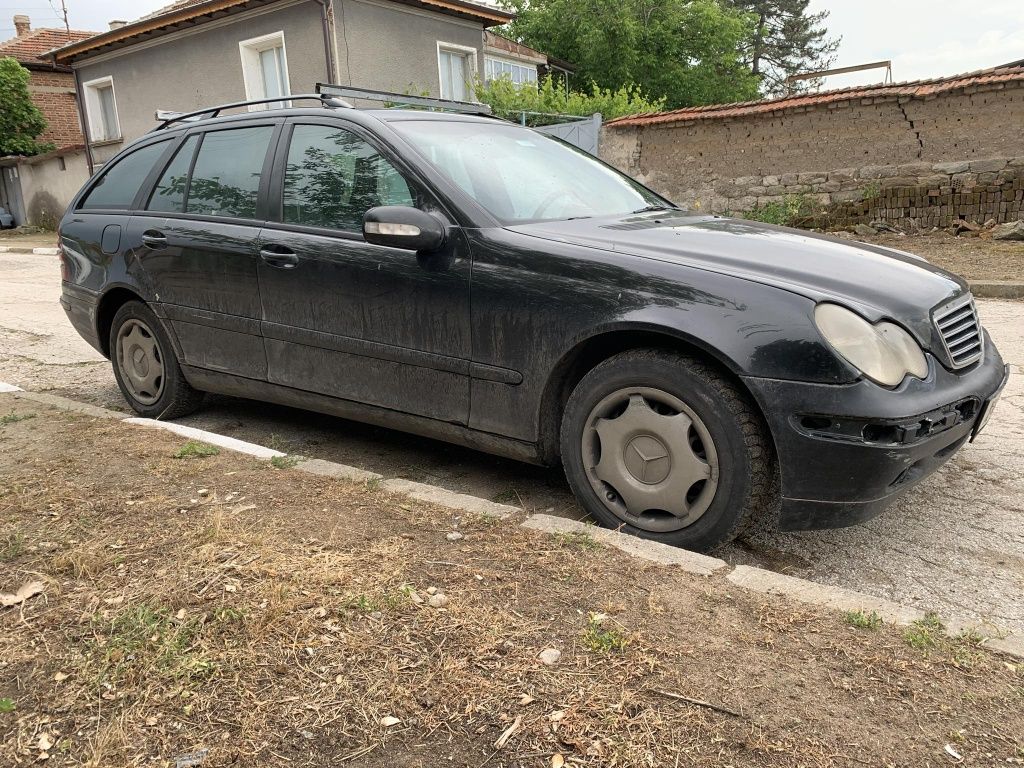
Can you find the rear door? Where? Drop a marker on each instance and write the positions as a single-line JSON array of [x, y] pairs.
[[346, 318], [196, 237]]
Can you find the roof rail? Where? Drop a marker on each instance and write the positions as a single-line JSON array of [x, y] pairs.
[[168, 118], [403, 99]]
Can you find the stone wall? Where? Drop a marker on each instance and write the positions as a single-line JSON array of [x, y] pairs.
[[907, 159]]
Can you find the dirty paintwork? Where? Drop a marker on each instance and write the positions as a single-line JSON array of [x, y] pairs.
[[481, 341]]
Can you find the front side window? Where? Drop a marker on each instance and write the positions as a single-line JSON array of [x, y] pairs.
[[456, 68], [333, 177], [117, 187], [101, 108], [265, 69], [226, 178], [520, 176]]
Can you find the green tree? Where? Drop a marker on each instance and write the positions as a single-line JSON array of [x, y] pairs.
[[21, 122], [509, 100], [687, 52], [786, 40]]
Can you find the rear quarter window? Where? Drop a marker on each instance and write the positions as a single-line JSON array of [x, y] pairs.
[[117, 187]]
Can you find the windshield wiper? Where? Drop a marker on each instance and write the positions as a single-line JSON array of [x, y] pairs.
[[649, 208]]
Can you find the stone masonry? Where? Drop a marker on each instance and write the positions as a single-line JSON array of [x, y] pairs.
[[918, 154]]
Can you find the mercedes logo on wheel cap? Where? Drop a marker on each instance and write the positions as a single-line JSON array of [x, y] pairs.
[[647, 459]]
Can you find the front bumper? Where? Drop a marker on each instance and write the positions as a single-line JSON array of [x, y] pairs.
[[847, 451]]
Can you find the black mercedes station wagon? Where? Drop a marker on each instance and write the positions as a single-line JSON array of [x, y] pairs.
[[470, 280]]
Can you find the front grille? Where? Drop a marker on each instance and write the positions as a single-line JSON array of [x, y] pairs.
[[960, 331]]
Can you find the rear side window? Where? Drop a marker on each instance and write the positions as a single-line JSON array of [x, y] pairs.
[[333, 177], [226, 177], [118, 186], [169, 193]]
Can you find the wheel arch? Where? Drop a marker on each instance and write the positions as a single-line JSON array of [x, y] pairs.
[[595, 349], [109, 303]]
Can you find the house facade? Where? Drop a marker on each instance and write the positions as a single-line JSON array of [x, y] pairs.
[[198, 53], [37, 189]]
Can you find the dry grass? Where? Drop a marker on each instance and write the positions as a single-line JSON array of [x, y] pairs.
[[219, 605]]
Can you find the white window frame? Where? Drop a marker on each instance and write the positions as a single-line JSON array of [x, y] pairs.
[[522, 65], [471, 55], [249, 52], [94, 111]]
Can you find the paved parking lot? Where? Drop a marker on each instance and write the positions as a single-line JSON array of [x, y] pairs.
[[955, 545]]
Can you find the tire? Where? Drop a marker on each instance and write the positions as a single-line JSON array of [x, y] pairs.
[[694, 482], [146, 367]]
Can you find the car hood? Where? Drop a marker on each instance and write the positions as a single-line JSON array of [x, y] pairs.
[[879, 282]]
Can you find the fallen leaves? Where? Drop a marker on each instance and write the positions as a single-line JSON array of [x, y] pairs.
[[27, 590]]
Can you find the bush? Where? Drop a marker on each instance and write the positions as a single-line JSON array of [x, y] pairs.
[[509, 100], [791, 211]]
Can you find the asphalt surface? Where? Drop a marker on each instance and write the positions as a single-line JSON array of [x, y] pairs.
[[954, 545]]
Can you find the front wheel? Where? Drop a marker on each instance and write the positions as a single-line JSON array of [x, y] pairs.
[[146, 367], [663, 446]]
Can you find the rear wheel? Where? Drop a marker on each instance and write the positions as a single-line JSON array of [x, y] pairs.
[[146, 367], [663, 446]]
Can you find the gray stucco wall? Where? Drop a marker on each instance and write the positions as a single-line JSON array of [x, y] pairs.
[[379, 45], [394, 47]]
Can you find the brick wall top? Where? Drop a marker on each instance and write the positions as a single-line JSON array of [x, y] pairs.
[[920, 89]]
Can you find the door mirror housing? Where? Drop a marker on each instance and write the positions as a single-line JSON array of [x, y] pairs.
[[400, 226]]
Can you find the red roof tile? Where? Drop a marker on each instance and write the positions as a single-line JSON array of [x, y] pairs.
[[916, 88], [28, 48]]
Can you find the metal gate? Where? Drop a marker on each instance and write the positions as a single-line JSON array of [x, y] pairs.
[[584, 133]]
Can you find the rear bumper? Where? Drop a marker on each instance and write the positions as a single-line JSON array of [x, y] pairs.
[[847, 451], [82, 307]]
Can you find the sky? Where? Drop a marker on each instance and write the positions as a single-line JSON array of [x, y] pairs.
[[923, 38]]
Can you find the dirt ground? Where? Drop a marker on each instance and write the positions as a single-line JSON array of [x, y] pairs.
[[29, 239], [213, 610], [976, 258]]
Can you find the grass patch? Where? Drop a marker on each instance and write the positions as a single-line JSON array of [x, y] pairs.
[[924, 633], [600, 638], [14, 418], [6, 706], [508, 496], [12, 546], [195, 450], [284, 462], [578, 540], [374, 483], [144, 642], [862, 620], [791, 211]]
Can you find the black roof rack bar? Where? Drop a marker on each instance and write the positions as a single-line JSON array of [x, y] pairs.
[[404, 99], [168, 118]]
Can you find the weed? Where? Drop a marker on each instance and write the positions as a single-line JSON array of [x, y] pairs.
[[791, 211], [284, 462], [578, 539], [863, 620], [600, 639], [195, 450], [362, 603], [924, 633], [146, 641], [229, 616], [508, 496], [872, 190], [11, 547], [14, 418], [6, 706], [374, 483]]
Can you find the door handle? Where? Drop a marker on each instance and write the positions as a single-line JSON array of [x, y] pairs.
[[280, 257], [153, 239]]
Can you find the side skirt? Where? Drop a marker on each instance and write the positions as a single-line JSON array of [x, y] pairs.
[[252, 389]]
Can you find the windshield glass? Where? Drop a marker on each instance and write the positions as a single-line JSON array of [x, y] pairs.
[[521, 176]]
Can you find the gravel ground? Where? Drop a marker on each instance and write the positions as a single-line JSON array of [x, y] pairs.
[[955, 545]]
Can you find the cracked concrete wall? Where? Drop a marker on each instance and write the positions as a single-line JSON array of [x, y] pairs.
[[845, 155]]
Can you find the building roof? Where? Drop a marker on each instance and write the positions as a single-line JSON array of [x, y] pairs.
[[28, 49], [186, 13], [915, 88]]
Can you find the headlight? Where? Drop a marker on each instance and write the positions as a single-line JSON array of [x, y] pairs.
[[883, 352]]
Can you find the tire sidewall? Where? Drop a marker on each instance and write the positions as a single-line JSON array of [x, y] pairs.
[[135, 310], [734, 484]]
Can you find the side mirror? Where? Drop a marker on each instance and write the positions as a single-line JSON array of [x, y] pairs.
[[399, 226]]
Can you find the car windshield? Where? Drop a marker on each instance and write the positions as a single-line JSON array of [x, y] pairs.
[[520, 176]]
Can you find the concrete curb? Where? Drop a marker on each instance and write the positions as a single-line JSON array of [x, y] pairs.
[[663, 554], [28, 250], [745, 577], [997, 289]]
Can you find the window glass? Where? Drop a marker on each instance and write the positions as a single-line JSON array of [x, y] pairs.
[[118, 186], [169, 193], [452, 65], [333, 177], [495, 69], [226, 177]]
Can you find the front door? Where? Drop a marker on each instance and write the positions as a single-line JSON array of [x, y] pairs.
[[345, 318], [197, 243]]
